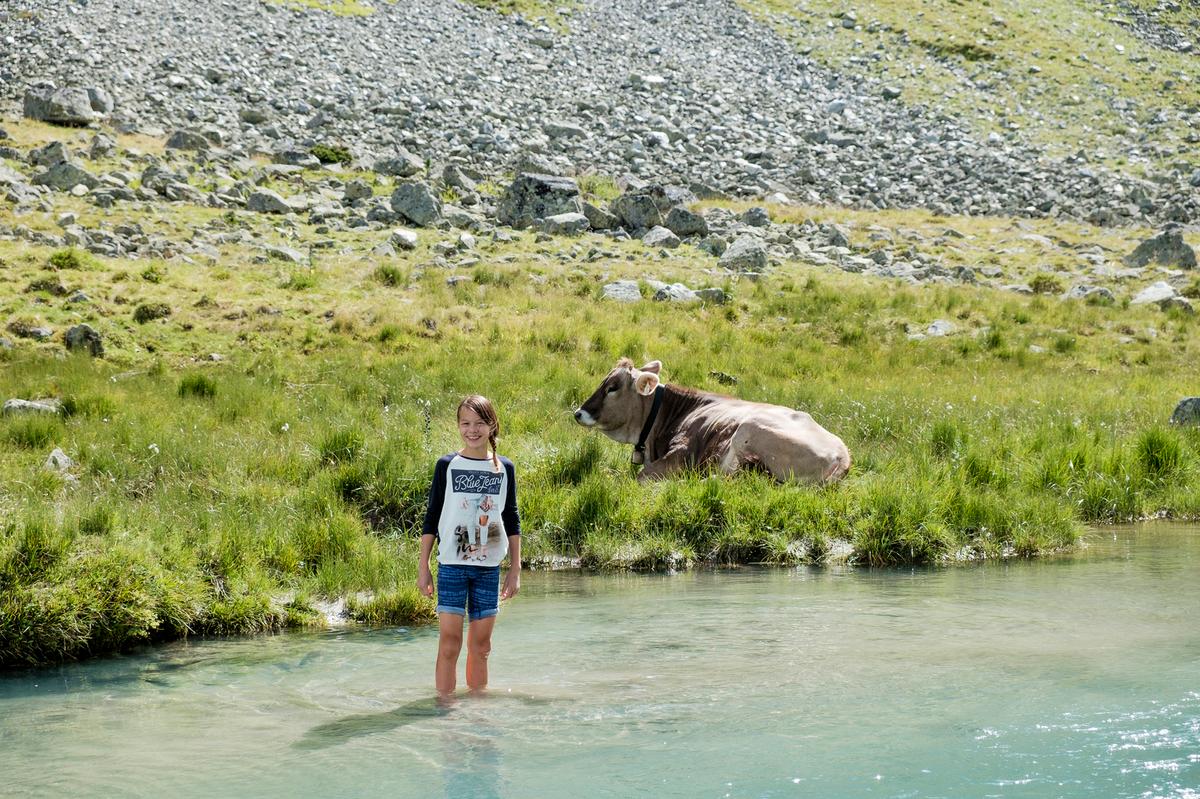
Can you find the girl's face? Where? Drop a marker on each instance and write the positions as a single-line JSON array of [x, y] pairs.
[[473, 430]]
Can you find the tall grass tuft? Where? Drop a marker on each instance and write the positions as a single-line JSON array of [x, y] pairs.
[[31, 432], [1159, 453], [197, 385], [341, 446]]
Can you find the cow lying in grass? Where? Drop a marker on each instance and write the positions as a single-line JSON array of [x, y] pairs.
[[675, 428]]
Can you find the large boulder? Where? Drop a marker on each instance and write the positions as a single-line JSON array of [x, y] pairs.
[[532, 196], [65, 106], [1167, 248], [416, 203]]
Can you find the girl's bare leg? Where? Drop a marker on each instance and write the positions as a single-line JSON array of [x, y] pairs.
[[450, 629], [479, 645]]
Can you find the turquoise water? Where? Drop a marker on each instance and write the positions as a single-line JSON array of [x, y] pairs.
[[1071, 677]]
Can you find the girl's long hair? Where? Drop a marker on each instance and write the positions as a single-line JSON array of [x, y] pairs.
[[483, 406]]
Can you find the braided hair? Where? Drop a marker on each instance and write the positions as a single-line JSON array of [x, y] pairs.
[[483, 406]]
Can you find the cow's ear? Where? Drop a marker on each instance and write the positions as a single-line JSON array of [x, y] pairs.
[[645, 383], [653, 366]]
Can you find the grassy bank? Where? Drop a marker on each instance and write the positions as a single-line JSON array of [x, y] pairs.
[[236, 496]]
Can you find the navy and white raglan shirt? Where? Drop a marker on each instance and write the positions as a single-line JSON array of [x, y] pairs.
[[472, 510]]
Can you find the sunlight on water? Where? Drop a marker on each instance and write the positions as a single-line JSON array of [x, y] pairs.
[[1074, 677]]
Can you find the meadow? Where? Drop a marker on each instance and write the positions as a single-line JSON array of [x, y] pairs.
[[256, 491]]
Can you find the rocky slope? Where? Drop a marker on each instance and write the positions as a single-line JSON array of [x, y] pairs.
[[695, 93]]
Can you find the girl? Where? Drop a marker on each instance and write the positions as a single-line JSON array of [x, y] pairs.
[[472, 513]]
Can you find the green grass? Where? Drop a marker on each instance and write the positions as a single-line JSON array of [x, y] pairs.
[[236, 496]]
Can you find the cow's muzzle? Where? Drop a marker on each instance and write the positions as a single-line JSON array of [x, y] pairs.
[[584, 418]]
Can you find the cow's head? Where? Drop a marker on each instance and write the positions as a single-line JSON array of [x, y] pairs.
[[619, 407]]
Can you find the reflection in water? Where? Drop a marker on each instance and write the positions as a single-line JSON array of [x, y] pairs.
[[471, 759]]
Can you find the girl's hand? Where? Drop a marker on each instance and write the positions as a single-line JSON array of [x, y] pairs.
[[512, 584], [425, 582]]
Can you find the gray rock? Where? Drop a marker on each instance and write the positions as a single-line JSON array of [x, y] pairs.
[[58, 461], [102, 145], [187, 140], [684, 223], [454, 177], [252, 115], [66, 106], [1159, 294], [402, 165], [534, 164], [266, 201], [714, 295], [660, 236], [357, 189], [756, 217], [403, 239], [50, 154], [569, 224], [1167, 248], [598, 218], [746, 254], [287, 254], [564, 130], [20, 406], [713, 245], [102, 102], [622, 291], [83, 338], [533, 196], [1089, 293], [66, 176], [293, 156], [416, 203], [637, 210], [676, 292], [940, 327], [1187, 412]]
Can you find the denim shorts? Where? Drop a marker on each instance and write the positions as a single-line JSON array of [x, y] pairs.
[[478, 585]]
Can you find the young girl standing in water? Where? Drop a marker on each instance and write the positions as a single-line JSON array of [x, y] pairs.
[[472, 514]]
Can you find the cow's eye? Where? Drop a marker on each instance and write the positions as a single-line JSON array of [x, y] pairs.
[[612, 389]]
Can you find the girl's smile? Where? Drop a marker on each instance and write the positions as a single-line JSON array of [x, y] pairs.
[[474, 432]]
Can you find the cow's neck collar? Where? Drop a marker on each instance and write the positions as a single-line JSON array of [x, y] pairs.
[[639, 449]]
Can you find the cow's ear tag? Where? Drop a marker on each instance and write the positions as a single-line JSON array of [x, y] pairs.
[[637, 458], [645, 383]]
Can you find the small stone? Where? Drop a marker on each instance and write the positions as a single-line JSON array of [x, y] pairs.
[[568, 224], [659, 236], [58, 461]]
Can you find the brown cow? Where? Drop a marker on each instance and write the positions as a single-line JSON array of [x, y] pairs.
[[674, 428]]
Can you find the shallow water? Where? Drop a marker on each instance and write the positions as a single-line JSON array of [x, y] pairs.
[[1071, 677]]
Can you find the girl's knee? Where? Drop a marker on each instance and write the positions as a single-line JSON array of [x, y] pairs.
[[449, 646]]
